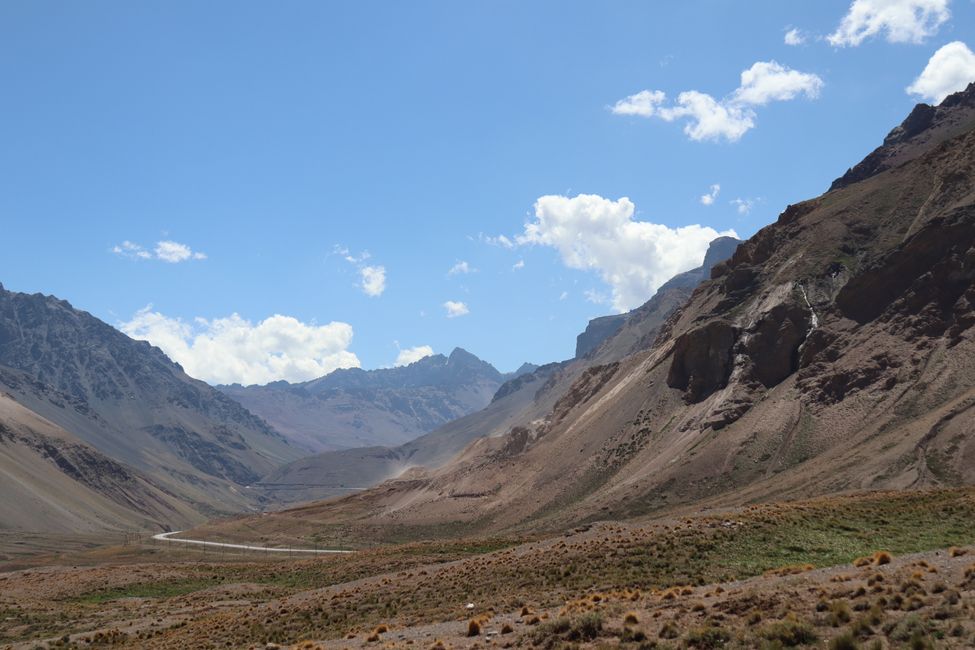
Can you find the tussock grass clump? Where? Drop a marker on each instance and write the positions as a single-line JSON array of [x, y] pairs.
[[631, 619], [954, 551], [552, 634], [845, 641], [473, 627], [789, 633], [839, 613], [669, 631], [707, 638]]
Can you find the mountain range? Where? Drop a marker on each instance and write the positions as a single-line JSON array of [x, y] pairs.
[[525, 397], [361, 408], [834, 351], [92, 389]]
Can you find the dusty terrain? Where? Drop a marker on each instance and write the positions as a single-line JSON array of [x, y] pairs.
[[742, 575]]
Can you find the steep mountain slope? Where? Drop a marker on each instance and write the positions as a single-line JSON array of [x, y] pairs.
[[676, 291], [523, 399], [834, 351], [131, 403], [362, 408], [52, 482]]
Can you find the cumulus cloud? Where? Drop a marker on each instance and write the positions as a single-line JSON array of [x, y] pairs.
[[707, 118], [794, 37], [234, 350], [407, 356], [949, 70], [708, 199], [517, 266], [461, 268], [165, 251], [456, 309], [373, 280], [901, 21], [597, 234]]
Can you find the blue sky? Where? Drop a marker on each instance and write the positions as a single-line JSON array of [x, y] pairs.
[[273, 145]]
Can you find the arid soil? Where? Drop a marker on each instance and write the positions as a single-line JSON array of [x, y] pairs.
[[763, 574]]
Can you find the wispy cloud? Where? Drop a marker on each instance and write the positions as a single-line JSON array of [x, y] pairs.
[[461, 268], [709, 198], [794, 37], [165, 251], [372, 277]]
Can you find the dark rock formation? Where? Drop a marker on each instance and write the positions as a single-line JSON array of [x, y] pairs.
[[702, 360]]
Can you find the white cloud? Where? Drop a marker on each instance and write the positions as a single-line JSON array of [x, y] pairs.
[[563, 295], [729, 118], [768, 81], [708, 199], [709, 118], [373, 280], [902, 21], [455, 309], [633, 257], [166, 251], [500, 240], [461, 268], [412, 355], [173, 252], [949, 70], [234, 350], [744, 206], [596, 297], [644, 103], [794, 37], [517, 266]]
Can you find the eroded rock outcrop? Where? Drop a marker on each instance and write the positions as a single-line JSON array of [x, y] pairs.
[[702, 360]]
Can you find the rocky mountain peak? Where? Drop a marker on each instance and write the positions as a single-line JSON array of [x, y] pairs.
[[923, 129]]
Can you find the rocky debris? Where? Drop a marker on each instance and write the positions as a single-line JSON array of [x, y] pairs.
[[702, 360], [585, 387]]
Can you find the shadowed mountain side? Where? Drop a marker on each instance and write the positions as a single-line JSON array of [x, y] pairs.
[[127, 400], [361, 408], [52, 482], [834, 351]]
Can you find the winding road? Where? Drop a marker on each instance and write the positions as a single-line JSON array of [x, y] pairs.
[[166, 537]]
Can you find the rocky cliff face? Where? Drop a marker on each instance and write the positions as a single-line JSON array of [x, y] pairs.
[[834, 350], [363, 408]]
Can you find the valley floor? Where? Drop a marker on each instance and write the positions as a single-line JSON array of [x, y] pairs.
[[772, 575]]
